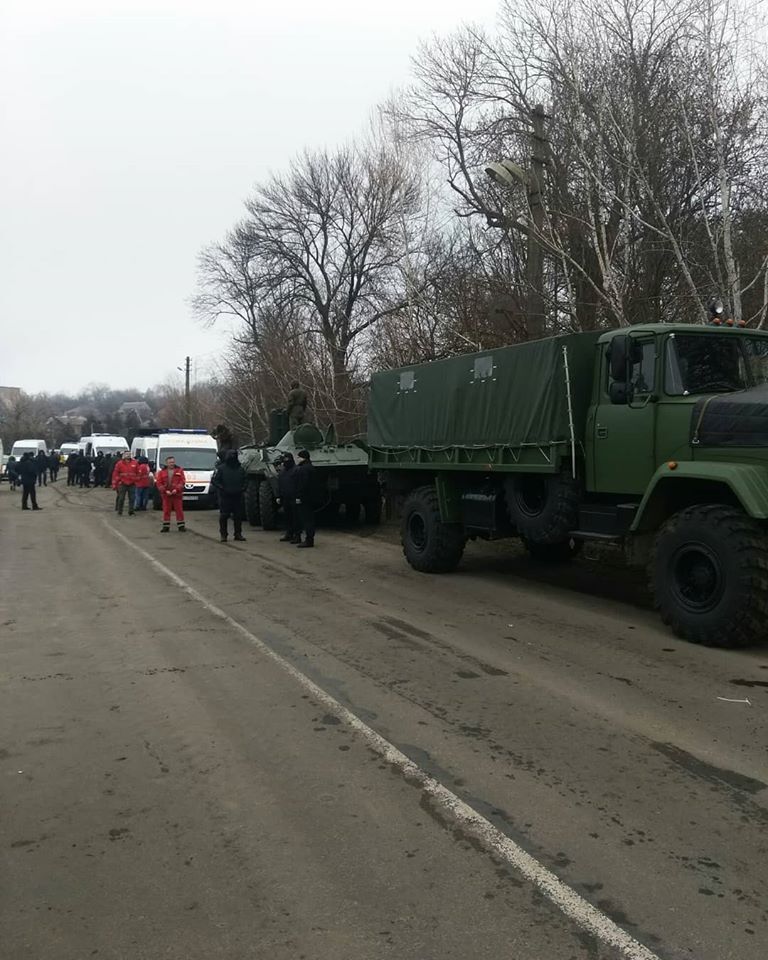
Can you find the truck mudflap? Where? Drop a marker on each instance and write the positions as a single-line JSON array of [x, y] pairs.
[[748, 484]]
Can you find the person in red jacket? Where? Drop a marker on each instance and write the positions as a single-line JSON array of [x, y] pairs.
[[143, 480], [124, 482], [170, 482]]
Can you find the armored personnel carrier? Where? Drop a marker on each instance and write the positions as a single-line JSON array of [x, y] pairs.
[[342, 481]]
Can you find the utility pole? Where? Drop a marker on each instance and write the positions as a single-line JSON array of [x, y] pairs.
[[534, 273], [187, 397], [509, 173]]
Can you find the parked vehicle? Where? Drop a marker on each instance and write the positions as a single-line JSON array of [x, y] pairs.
[[195, 451], [66, 449], [654, 439], [20, 447], [341, 476], [102, 443]]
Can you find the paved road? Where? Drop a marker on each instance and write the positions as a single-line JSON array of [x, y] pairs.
[[170, 789]]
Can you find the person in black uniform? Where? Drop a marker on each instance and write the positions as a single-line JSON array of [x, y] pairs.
[[286, 497], [229, 481], [28, 474], [53, 466], [71, 466], [303, 500], [41, 465]]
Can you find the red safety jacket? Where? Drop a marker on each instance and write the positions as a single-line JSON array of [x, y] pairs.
[[124, 472], [169, 483], [142, 475]]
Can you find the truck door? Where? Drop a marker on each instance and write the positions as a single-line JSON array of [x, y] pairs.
[[623, 423]]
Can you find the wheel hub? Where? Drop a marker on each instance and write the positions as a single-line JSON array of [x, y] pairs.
[[697, 577]]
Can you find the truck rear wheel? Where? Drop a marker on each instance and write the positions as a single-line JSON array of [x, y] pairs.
[[251, 498], [429, 544], [554, 552], [710, 576], [543, 507], [267, 506]]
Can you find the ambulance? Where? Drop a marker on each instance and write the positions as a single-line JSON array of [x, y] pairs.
[[194, 450]]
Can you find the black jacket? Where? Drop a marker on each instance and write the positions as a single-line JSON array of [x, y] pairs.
[[27, 471], [303, 481], [41, 462], [286, 483], [230, 478]]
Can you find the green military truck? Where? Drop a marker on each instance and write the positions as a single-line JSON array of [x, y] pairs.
[[655, 438]]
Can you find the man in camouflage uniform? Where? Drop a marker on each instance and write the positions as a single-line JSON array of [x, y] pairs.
[[296, 405]]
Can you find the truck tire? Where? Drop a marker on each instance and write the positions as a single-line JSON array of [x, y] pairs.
[[429, 544], [709, 576], [252, 509], [560, 552], [352, 512], [543, 507], [267, 506]]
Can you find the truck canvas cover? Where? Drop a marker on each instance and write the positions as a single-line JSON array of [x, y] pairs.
[[511, 396], [732, 419]]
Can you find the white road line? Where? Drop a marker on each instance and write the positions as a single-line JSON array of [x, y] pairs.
[[574, 906]]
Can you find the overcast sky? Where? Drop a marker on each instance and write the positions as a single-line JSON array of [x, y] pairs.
[[130, 133]]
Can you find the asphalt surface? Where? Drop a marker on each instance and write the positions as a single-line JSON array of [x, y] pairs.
[[169, 789]]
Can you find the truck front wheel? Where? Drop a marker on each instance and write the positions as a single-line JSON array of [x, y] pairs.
[[252, 511], [429, 544], [710, 576]]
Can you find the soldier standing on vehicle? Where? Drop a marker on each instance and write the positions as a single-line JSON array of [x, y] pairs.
[[296, 405], [170, 482], [124, 482], [303, 500], [229, 481], [28, 474], [286, 488]]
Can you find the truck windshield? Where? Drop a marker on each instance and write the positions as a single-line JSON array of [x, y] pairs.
[[714, 364], [190, 458]]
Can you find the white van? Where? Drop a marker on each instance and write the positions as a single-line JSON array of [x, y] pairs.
[[195, 452], [102, 443], [66, 449], [28, 446]]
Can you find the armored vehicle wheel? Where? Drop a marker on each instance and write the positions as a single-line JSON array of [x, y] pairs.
[[372, 509], [267, 506], [544, 508], [252, 509], [710, 576], [429, 545], [554, 552]]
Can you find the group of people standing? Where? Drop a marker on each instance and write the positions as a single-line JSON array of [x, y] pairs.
[[45, 465], [81, 469], [131, 479], [294, 495]]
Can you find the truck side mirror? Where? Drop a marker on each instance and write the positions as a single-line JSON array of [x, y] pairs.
[[618, 355], [619, 393]]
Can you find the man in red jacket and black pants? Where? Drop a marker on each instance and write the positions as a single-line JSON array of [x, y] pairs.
[[170, 482], [124, 482]]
